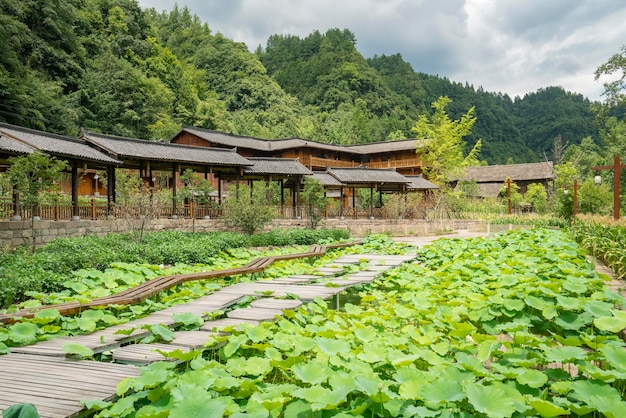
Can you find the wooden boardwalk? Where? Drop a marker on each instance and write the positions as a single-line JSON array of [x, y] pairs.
[[41, 374]]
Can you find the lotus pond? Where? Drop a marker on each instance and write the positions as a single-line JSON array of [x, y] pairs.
[[515, 325]]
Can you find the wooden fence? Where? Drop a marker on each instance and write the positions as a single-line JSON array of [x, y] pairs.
[[97, 209]]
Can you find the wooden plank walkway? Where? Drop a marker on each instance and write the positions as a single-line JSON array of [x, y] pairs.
[[57, 385], [40, 374]]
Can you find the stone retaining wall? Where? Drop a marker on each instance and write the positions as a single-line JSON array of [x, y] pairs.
[[16, 233]]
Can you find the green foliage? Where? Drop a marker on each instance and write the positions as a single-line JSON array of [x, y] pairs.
[[564, 185], [442, 144], [250, 211], [35, 175], [314, 199], [478, 327], [536, 195], [604, 241], [72, 262], [111, 67]]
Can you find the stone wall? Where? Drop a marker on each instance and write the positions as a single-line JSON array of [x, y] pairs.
[[16, 233]]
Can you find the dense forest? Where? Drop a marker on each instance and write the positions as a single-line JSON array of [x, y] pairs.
[[109, 66]]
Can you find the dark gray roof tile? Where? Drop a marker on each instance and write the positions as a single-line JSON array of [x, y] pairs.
[[55, 145], [277, 166], [127, 148]]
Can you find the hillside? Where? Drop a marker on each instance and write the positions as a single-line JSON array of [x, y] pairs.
[[109, 66]]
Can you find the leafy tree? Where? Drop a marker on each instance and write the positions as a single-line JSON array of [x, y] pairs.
[[441, 144], [516, 197], [536, 195], [595, 199], [250, 211], [564, 183], [314, 199]]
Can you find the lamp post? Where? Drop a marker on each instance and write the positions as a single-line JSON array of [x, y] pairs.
[[616, 167], [575, 197]]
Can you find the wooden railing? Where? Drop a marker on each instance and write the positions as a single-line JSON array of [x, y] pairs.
[[97, 210], [316, 162]]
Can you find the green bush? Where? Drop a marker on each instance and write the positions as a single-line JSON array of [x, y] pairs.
[[50, 265]]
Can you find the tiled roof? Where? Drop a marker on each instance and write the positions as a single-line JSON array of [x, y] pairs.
[[56, 145], [127, 148], [420, 183], [12, 146], [363, 175], [326, 179], [277, 166], [517, 172], [276, 145]]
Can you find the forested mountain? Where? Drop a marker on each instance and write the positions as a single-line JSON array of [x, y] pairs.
[[109, 66]]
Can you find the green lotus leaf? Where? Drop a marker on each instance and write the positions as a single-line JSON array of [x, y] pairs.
[[533, 378], [594, 393], [234, 342], [258, 366], [4, 349], [45, 316], [565, 354], [352, 309], [23, 333], [199, 407], [313, 372], [257, 334], [150, 378], [546, 408], [300, 409], [514, 304], [598, 308], [441, 391], [320, 397], [538, 303], [575, 285], [611, 407], [462, 329], [373, 353], [86, 324], [303, 344], [569, 303], [490, 400], [549, 312], [616, 357], [411, 389], [420, 411], [614, 323], [370, 385], [162, 333], [77, 349], [366, 334], [95, 405], [188, 319], [572, 321]]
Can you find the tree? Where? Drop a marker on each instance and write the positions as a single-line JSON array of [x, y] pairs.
[[250, 211], [314, 198], [441, 144], [33, 176], [537, 195]]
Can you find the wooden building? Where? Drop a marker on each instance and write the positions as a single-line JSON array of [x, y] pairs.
[[316, 156], [491, 178]]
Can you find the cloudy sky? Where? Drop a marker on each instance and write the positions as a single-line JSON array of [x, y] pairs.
[[508, 46]]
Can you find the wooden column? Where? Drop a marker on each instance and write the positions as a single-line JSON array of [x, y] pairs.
[[16, 204], [74, 189], [174, 206], [371, 201], [341, 202], [110, 189]]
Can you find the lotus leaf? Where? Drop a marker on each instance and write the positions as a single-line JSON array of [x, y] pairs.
[[490, 400]]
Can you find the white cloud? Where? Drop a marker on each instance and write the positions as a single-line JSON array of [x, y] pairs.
[[502, 45]]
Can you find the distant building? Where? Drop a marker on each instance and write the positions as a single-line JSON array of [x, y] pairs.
[[491, 178]]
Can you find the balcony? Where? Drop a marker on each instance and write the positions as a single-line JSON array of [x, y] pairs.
[[317, 163]]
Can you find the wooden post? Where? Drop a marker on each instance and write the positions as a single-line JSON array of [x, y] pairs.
[[508, 184], [174, 210], [575, 198], [75, 190], [616, 167], [371, 201], [93, 209]]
